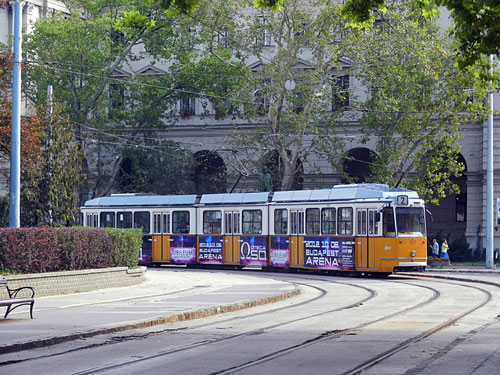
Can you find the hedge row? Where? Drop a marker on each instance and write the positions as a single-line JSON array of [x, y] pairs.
[[33, 250]]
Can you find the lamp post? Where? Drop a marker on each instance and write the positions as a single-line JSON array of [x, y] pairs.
[[15, 151]]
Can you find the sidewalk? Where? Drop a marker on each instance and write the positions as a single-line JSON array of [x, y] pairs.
[[167, 295], [461, 273]]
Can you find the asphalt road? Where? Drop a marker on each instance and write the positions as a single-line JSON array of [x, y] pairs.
[[399, 325]]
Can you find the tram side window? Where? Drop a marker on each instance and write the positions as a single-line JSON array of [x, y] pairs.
[[107, 219], [252, 221], [124, 220], [166, 223], [142, 220], [312, 221], [361, 221], [92, 220], [388, 222], [372, 222], [212, 222], [344, 220], [281, 221], [236, 222], [328, 220], [180, 222]]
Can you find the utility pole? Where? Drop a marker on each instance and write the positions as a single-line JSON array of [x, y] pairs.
[[15, 142], [490, 239]]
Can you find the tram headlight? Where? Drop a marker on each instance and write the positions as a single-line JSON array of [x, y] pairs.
[[413, 253]]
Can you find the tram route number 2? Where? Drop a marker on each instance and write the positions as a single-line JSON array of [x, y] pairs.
[[402, 200]]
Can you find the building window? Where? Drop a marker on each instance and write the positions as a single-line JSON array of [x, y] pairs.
[[328, 220], [461, 207], [340, 92], [212, 222], [252, 222], [187, 105], [312, 221], [223, 38], [116, 97], [281, 221], [263, 37]]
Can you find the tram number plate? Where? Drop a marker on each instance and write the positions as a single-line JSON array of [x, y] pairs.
[[402, 199]]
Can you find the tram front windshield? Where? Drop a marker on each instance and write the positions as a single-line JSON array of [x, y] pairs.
[[410, 221]]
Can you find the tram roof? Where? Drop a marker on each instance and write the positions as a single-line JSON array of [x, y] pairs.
[[343, 192], [235, 198], [141, 200]]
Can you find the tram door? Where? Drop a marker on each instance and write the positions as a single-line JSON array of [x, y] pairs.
[[366, 230], [231, 246], [296, 242], [161, 244]]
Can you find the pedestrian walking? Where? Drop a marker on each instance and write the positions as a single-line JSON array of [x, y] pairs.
[[444, 250], [435, 248]]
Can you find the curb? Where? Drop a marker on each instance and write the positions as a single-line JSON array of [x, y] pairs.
[[448, 277], [202, 313]]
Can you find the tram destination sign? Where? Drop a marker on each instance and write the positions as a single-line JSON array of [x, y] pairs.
[[329, 253], [210, 250]]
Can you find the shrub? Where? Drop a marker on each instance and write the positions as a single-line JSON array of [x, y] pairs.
[[126, 246], [33, 250], [84, 248]]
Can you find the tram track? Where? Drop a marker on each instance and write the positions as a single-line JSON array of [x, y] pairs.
[[376, 359], [324, 336], [323, 292], [397, 348], [304, 281]]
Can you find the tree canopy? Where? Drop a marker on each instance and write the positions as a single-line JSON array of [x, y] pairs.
[[476, 22], [50, 160]]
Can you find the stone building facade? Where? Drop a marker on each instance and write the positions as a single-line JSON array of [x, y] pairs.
[[457, 215]]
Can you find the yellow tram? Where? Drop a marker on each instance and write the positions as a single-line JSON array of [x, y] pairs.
[[362, 228]]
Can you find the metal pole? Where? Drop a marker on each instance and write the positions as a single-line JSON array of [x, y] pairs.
[[15, 143], [489, 185], [49, 217]]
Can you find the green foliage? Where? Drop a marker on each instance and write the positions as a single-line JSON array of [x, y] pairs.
[[164, 167], [80, 57], [476, 22], [49, 191], [416, 103], [126, 246], [284, 118]]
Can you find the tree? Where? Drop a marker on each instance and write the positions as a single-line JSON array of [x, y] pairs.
[[418, 99], [289, 66], [87, 58], [49, 160], [476, 22]]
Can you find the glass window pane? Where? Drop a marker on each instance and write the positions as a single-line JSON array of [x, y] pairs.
[[180, 222], [124, 220], [142, 220]]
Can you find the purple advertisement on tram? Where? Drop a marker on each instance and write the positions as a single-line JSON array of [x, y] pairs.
[[279, 253], [253, 251], [183, 249], [146, 251], [210, 250], [329, 253]]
